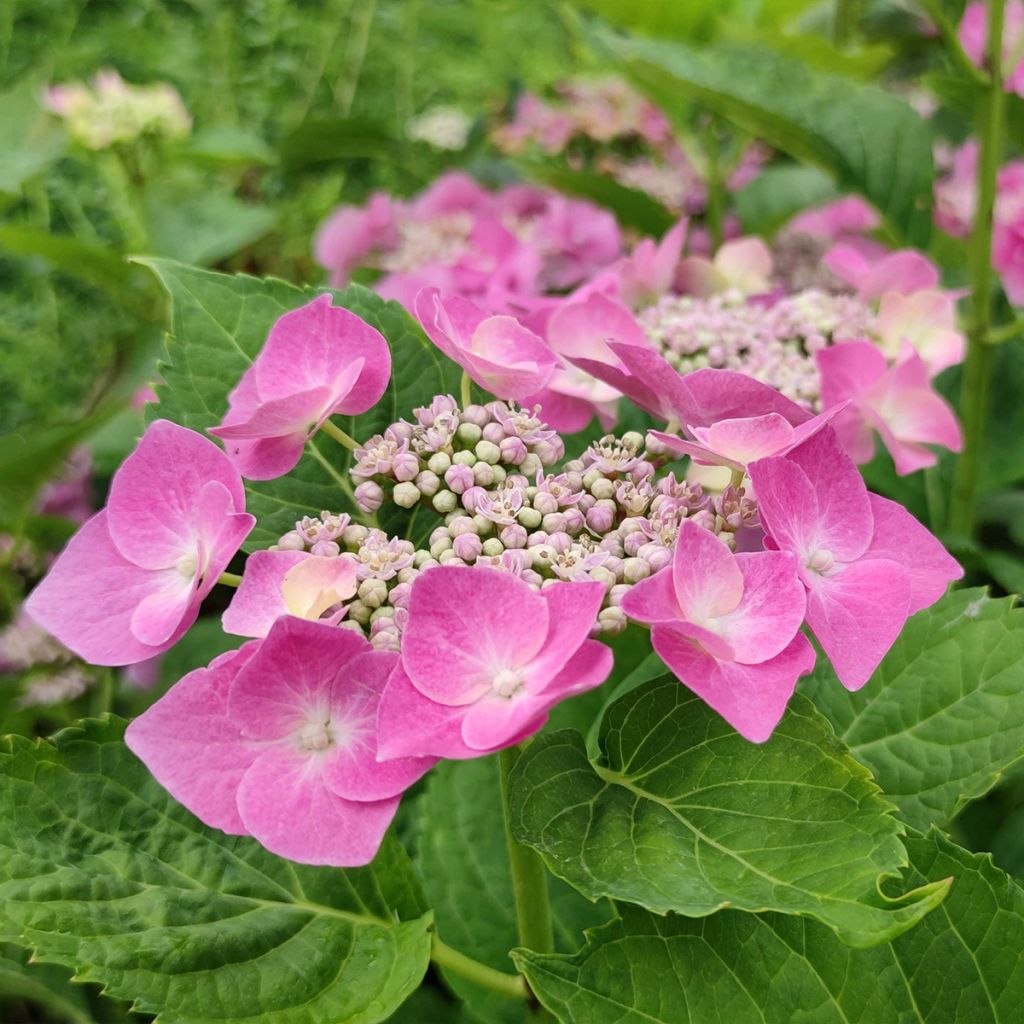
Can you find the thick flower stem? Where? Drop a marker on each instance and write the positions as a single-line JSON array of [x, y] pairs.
[[465, 391], [229, 579], [978, 365], [339, 435], [511, 985], [529, 877]]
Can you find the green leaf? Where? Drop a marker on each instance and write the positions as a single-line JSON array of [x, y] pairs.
[[45, 986], [103, 871], [780, 192], [680, 813], [229, 144], [463, 859], [193, 222], [964, 963], [942, 717], [30, 139], [869, 140], [218, 325]]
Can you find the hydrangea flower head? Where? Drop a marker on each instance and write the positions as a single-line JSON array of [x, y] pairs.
[[351, 233], [484, 658], [318, 361], [497, 352], [130, 582], [865, 562], [728, 627], [898, 401], [277, 740]]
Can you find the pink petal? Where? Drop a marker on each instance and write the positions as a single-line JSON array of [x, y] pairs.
[[698, 452], [771, 610], [900, 538], [280, 417], [567, 414], [449, 324], [856, 613], [89, 596], [193, 747], [292, 673], [709, 396], [153, 496], [159, 613], [653, 599], [466, 625], [707, 581], [584, 329], [269, 457], [351, 769], [848, 370], [258, 601], [751, 698], [744, 440], [651, 381], [316, 584], [572, 612], [286, 805]]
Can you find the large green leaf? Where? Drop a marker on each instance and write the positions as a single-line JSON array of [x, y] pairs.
[[869, 140], [964, 964], [780, 192], [463, 859], [219, 323], [101, 870], [679, 812], [943, 716], [30, 139]]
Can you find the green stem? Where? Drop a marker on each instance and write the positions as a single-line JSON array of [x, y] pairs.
[[466, 391], [229, 579], [102, 699], [339, 435], [951, 39], [736, 478], [511, 985], [529, 877], [1007, 332], [978, 365]]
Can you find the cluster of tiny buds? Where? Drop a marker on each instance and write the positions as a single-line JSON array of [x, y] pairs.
[[447, 452], [604, 517]]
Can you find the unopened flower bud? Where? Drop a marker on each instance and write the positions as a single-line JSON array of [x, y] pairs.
[[439, 462], [655, 447], [615, 595], [560, 541], [513, 450], [534, 539], [445, 502], [483, 525], [530, 466], [549, 452], [373, 593], [513, 536], [439, 547], [292, 541], [612, 621], [420, 557], [326, 549], [642, 470], [476, 414], [633, 440], [359, 612], [543, 555], [604, 576], [469, 434], [492, 547], [633, 542], [399, 596], [405, 466], [574, 519], [488, 452], [600, 518], [612, 543], [428, 482], [544, 502], [635, 569], [602, 488], [529, 517], [460, 524], [628, 526], [464, 458], [369, 496], [459, 478], [494, 432], [498, 474], [354, 535], [483, 474], [408, 574], [450, 558], [467, 546], [406, 495]]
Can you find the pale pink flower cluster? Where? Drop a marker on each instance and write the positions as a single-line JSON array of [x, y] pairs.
[[369, 658], [504, 249], [955, 202], [110, 110]]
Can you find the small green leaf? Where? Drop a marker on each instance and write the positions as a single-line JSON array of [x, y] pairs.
[[463, 859], [680, 813], [942, 717], [780, 192], [102, 871], [219, 323], [964, 964], [869, 140]]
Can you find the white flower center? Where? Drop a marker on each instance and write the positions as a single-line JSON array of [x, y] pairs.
[[188, 564], [315, 736], [821, 560], [507, 683]]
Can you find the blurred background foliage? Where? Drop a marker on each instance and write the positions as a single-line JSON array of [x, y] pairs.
[[298, 105]]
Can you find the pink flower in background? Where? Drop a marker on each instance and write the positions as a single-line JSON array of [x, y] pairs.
[[849, 216], [352, 233], [68, 494], [744, 264], [497, 352], [129, 583], [926, 320], [318, 361], [277, 583], [646, 274], [278, 741], [898, 401], [956, 192], [866, 563], [728, 627], [903, 271], [578, 333], [578, 239], [484, 658], [973, 34]]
